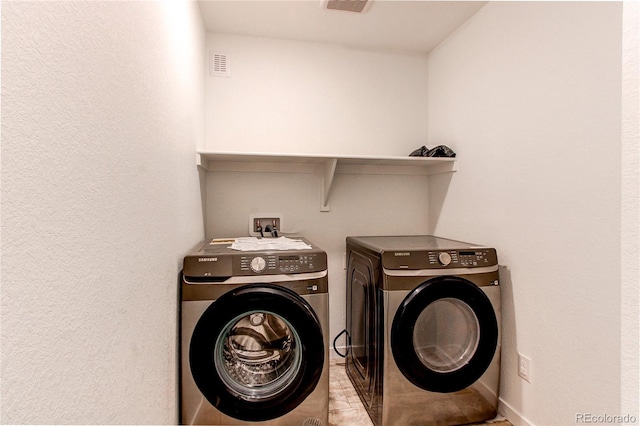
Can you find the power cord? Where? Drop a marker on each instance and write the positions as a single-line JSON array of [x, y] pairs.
[[335, 348]]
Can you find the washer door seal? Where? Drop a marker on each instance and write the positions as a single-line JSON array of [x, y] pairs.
[[224, 334], [411, 311]]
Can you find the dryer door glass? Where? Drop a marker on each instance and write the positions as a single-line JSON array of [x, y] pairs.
[[258, 354], [446, 335]]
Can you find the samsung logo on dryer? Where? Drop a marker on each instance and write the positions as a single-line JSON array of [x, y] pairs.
[[401, 253], [207, 259]]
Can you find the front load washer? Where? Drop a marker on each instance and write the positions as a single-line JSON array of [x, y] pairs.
[[423, 324], [254, 327]]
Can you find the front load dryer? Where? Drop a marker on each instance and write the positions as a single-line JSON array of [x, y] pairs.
[[254, 327], [423, 323]]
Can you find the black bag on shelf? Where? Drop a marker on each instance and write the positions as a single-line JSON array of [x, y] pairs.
[[438, 151]]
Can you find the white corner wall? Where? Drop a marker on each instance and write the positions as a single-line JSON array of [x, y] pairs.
[[300, 97], [630, 249], [102, 109], [288, 96], [529, 94]]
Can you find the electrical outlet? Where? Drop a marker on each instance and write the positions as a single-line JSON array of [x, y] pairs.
[[524, 367], [262, 221]]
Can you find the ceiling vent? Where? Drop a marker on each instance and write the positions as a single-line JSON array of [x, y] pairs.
[[348, 5], [218, 65]]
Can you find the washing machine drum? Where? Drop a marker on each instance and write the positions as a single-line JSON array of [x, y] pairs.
[[444, 334], [257, 352]]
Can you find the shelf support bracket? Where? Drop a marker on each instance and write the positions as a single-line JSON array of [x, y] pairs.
[[329, 174], [202, 162]]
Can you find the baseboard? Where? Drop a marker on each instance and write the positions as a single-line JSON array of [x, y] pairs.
[[511, 414], [334, 356]]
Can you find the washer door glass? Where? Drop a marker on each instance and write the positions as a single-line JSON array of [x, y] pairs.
[[446, 335], [258, 354]]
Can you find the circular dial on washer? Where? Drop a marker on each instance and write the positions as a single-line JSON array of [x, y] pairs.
[[258, 264], [444, 258]]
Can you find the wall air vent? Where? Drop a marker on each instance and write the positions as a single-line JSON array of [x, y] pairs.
[[348, 5], [218, 65]]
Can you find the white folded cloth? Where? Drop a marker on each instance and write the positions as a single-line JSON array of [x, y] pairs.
[[266, 244]]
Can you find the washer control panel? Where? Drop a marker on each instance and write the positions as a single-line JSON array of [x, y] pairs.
[[279, 264], [216, 261]]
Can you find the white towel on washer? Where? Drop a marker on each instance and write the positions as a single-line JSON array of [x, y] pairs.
[[266, 244]]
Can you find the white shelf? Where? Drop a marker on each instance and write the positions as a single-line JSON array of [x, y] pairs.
[[332, 164]]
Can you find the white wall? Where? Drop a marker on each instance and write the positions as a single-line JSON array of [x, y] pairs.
[[102, 108], [299, 97], [529, 94], [360, 205], [630, 249]]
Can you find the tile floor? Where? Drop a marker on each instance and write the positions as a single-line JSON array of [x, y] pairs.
[[345, 408]]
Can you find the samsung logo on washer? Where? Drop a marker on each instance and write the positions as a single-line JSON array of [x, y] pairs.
[[402, 253], [207, 259]]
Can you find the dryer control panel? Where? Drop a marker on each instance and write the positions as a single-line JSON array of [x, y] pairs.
[[440, 259], [461, 258]]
